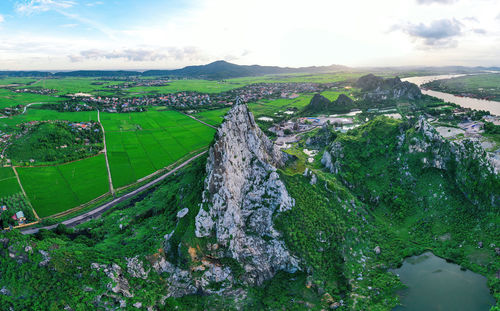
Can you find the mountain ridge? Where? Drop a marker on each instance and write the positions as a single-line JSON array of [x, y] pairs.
[[215, 70]]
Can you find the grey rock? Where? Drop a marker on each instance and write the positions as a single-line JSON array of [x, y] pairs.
[[4, 291], [314, 179], [242, 193], [137, 305], [326, 160], [46, 258], [135, 268], [183, 212]]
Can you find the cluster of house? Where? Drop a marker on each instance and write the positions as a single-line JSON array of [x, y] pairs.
[[82, 125], [36, 91], [185, 99], [18, 216], [255, 92], [247, 93], [4, 137], [140, 82], [493, 119], [11, 111], [305, 124], [85, 126]]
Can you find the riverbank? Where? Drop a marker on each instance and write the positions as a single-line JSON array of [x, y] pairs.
[[468, 102]]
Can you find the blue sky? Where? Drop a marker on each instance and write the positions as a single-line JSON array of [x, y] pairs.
[[135, 34]]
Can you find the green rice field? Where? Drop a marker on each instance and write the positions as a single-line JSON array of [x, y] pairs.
[[212, 117], [270, 107], [8, 182], [55, 189], [75, 85], [300, 77], [139, 144], [16, 80], [202, 86], [11, 99]]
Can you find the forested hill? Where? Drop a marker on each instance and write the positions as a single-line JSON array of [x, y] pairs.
[[223, 70], [216, 70]]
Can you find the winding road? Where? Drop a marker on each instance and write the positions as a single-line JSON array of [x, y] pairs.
[[101, 209]]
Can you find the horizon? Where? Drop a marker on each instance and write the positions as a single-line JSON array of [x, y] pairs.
[[68, 35], [319, 66]]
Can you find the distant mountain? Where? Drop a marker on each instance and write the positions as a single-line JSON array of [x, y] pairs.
[[219, 70], [214, 71], [24, 74], [97, 73], [224, 70]]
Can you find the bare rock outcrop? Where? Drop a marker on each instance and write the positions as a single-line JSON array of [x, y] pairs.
[[242, 193], [378, 88]]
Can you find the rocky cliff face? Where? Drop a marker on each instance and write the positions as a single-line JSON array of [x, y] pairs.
[[470, 163], [321, 104], [377, 88], [242, 193], [465, 161]]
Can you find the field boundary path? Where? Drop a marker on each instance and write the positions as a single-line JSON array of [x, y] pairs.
[[194, 118], [111, 189], [29, 105], [24, 192], [101, 209]]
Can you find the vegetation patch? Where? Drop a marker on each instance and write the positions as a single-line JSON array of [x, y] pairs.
[[55, 142]]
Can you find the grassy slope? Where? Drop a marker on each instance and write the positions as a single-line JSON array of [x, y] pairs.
[[412, 213], [132, 229]]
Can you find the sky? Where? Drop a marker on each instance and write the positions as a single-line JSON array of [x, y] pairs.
[[166, 34]]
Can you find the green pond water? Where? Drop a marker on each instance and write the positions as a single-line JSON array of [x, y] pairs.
[[436, 285]]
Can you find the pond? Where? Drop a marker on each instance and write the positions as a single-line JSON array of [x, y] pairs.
[[436, 285]]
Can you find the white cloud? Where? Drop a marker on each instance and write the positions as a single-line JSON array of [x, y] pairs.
[[91, 4], [29, 7], [141, 55], [437, 34], [436, 1], [2, 19], [278, 32]]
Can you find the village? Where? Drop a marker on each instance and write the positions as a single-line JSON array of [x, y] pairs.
[[39, 91], [189, 100]]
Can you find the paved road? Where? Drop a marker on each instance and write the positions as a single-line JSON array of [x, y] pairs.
[[101, 209]]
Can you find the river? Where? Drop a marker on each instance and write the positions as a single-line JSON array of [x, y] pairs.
[[436, 285], [479, 104]]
